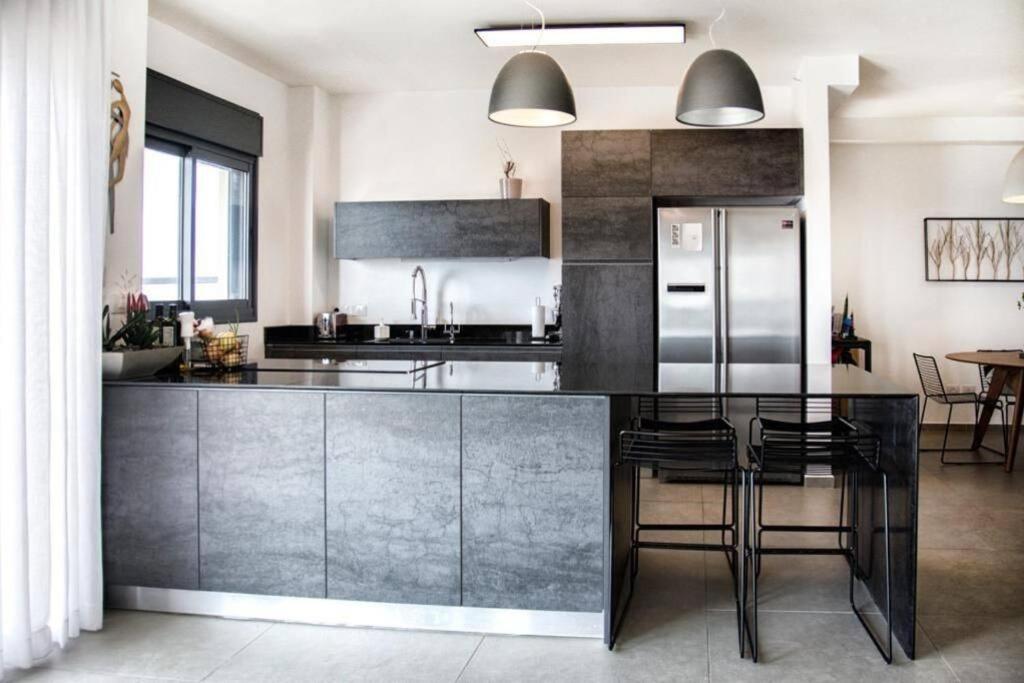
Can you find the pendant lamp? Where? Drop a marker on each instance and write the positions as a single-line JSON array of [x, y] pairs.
[[531, 90], [719, 89]]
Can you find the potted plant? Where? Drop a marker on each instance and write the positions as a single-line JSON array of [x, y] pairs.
[[132, 350], [510, 186]]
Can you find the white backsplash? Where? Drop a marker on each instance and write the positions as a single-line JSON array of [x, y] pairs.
[[484, 291]]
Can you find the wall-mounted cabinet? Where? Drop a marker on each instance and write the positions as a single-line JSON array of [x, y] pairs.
[[464, 228], [760, 162], [607, 228], [606, 163]]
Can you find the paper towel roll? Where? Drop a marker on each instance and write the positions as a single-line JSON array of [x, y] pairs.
[[537, 324], [186, 318]]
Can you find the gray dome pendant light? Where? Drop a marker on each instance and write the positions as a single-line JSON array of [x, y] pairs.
[[719, 89], [531, 91]]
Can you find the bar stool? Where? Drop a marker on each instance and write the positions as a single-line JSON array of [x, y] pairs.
[[706, 444], [783, 446]]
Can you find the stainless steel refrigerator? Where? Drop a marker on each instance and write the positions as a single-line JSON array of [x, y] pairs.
[[729, 285]]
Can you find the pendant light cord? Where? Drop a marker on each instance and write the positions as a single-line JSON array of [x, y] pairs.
[[711, 29], [540, 36]]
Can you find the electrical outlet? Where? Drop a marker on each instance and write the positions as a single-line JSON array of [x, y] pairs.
[[359, 310]]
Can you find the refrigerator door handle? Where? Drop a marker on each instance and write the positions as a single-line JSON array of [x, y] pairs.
[[723, 283], [715, 360]]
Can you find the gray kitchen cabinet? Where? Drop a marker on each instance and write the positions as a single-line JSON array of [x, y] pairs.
[[608, 326], [760, 162], [607, 228], [533, 502], [606, 163], [149, 483], [393, 493], [261, 492], [465, 228]]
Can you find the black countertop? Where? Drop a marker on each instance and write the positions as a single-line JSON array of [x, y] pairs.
[[517, 336], [739, 380]]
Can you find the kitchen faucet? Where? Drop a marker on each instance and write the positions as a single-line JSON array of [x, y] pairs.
[[418, 270]]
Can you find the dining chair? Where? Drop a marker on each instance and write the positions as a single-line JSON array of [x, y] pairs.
[[935, 390]]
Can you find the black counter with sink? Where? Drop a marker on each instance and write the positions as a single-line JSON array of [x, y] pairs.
[[472, 343]]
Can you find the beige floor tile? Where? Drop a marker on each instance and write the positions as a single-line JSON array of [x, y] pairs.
[[815, 647], [657, 644], [969, 583], [980, 648], [292, 652], [147, 644]]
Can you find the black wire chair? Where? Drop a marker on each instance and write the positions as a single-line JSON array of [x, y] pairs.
[[781, 445], [935, 390], [706, 443]]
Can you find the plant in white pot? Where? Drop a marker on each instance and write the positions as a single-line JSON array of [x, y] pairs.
[[131, 351], [510, 186]]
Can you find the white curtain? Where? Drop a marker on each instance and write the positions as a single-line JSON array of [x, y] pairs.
[[54, 142]]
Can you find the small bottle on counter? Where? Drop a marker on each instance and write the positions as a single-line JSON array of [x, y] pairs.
[[186, 320], [172, 316]]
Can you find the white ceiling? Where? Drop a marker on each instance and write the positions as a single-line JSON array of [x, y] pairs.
[[920, 57]]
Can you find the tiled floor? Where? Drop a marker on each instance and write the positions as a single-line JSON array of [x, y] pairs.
[[681, 626]]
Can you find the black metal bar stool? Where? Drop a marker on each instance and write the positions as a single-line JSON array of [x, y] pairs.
[[787, 446], [706, 442]]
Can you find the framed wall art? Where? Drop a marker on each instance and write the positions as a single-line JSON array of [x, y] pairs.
[[974, 249]]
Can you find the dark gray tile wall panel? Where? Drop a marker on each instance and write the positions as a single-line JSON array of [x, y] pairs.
[[150, 507], [452, 229], [608, 326], [393, 486], [261, 492], [606, 163], [607, 228], [762, 162], [533, 502]]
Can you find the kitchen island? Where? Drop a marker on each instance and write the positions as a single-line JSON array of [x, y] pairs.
[[478, 496]]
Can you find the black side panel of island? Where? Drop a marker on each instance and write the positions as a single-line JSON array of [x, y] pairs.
[[393, 491], [894, 420], [261, 492], [150, 488], [533, 502]]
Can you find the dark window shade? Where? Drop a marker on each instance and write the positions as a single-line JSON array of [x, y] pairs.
[[178, 107]]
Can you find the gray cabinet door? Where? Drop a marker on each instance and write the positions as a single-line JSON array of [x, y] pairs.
[[393, 478], [607, 229], [261, 492], [608, 326], [763, 162], [533, 502], [606, 163], [150, 509], [501, 228]]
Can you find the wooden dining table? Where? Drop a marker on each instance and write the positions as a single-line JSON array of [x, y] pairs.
[[1007, 371]]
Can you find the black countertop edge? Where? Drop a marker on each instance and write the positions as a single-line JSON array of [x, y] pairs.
[[639, 393], [488, 336], [545, 378]]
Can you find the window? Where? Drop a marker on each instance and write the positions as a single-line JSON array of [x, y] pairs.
[[199, 205]]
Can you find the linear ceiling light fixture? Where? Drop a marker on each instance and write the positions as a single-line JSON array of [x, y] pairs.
[[719, 89], [531, 90], [584, 34]]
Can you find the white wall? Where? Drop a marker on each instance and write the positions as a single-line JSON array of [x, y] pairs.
[[440, 145], [880, 195], [279, 266], [123, 248]]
